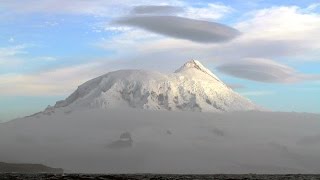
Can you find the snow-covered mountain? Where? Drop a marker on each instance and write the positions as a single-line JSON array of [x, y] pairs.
[[190, 88], [78, 137]]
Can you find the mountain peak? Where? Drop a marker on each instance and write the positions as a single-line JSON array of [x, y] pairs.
[[192, 88], [195, 64]]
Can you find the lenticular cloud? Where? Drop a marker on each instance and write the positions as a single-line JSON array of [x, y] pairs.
[[182, 28]]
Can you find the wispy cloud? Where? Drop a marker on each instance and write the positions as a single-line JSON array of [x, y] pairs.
[[157, 9], [312, 7], [12, 50], [8, 55], [11, 40], [292, 26], [257, 93], [102, 8], [44, 59], [58, 81], [212, 11]]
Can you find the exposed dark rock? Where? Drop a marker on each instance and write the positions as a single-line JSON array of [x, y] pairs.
[[28, 168], [218, 132], [125, 141]]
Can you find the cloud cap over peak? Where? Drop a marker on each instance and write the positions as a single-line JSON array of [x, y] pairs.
[[182, 28]]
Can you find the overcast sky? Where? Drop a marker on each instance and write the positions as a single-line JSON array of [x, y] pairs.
[[269, 51]]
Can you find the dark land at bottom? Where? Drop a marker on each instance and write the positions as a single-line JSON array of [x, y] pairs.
[[12, 176]]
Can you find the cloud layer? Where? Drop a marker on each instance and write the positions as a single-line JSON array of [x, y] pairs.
[[264, 70], [59, 81], [269, 33], [165, 9], [104, 8], [182, 28]]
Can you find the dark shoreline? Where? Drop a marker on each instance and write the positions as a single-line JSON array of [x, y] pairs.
[[13, 176]]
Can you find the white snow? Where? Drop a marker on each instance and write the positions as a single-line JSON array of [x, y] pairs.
[[191, 88], [195, 64]]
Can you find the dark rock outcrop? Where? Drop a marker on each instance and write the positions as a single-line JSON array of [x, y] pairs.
[[28, 168], [125, 141]]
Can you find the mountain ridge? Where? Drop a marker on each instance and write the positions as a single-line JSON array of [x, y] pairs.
[[192, 87], [197, 65]]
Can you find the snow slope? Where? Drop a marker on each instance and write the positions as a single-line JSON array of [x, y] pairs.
[[191, 88]]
